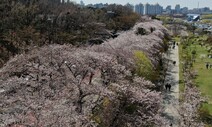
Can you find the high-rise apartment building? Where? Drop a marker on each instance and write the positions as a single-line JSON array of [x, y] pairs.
[[177, 8], [158, 9], [147, 8], [184, 10], [169, 8], [153, 9], [139, 8]]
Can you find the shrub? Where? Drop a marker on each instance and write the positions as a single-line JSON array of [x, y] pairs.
[[193, 52], [141, 31], [205, 115], [144, 67]]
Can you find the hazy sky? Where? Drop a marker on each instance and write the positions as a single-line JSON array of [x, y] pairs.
[[183, 3]]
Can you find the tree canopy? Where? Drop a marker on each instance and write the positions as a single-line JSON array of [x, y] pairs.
[[25, 24]]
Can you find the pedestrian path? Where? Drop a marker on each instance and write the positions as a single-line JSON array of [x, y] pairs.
[[171, 98]]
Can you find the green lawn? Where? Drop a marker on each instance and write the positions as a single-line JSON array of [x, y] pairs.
[[207, 16], [181, 83], [204, 78]]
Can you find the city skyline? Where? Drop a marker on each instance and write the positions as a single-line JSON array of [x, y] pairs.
[[191, 4]]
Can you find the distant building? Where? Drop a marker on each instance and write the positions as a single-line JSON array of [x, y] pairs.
[[184, 10], [147, 9], [193, 17], [95, 6], [99, 5], [195, 11], [153, 9], [65, 1], [82, 3], [205, 10], [139, 8], [158, 9], [169, 8], [177, 8]]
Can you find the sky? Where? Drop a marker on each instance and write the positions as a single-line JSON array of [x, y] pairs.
[[183, 3]]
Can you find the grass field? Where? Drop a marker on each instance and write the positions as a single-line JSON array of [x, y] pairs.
[[181, 83], [207, 16], [207, 21], [204, 78]]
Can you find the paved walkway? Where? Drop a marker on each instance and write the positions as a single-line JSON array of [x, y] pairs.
[[171, 98]]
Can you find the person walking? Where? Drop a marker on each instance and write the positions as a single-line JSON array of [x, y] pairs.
[[169, 87], [173, 47], [174, 43], [207, 65], [174, 62], [166, 86]]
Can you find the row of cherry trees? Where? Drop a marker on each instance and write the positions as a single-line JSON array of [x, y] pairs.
[[28, 23], [191, 96], [61, 85], [192, 100]]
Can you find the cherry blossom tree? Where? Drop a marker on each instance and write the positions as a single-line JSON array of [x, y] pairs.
[[61, 85], [192, 100]]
